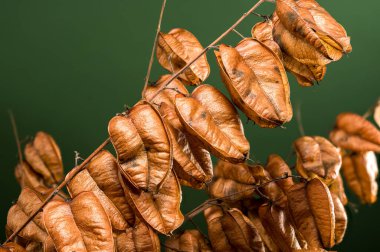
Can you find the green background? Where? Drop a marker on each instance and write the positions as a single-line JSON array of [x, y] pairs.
[[67, 67]]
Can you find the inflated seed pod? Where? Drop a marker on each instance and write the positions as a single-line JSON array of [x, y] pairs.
[[189, 240]]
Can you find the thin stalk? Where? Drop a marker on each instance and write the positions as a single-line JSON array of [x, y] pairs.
[[154, 47], [15, 133], [216, 41], [68, 178], [301, 129]]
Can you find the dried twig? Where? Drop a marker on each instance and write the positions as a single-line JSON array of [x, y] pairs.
[[15, 133]]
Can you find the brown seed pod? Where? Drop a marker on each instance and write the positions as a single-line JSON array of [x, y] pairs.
[[305, 24], [337, 188], [257, 82], [177, 48], [143, 146], [316, 156], [263, 32], [189, 240], [199, 122], [140, 238], [340, 219], [322, 208], [353, 132], [230, 230], [360, 171], [234, 180], [278, 226], [161, 210], [277, 168], [81, 225], [26, 177], [376, 113], [102, 173]]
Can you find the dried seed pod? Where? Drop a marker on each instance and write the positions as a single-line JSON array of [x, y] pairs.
[[337, 188], [322, 207], [140, 238], [376, 113], [257, 82], [308, 26], [230, 230], [353, 132], [161, 210], [81, 225], [102, 172], [233, 180], [270, 245], [277, 168], [279, 227], [199, 122], [316, 156], [177, 48], [26, 177], [340, 219], [189, 240], [143, 146], [302, 217], [360, 172], [11, 247], [263, 32]]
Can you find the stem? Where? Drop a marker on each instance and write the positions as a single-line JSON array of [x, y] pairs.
[[208, 47], [68, 178], [301, 130], [371, 109], [154, 47], [15, 133]]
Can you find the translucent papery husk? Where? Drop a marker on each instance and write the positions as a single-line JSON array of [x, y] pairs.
[[341, 219], [360, 171], [143, 146], [177, 48], [376, 113], [44, 157], [191, 161], [317, 157], [161, 210], [355, 133], [11, 247], [140, 238], [200, 122], [80, 225], [230, 230], [189, 240], [337, 188], [257, 82], [307, 26], [101, 178]]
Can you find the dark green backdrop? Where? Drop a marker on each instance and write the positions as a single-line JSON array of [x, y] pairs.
[[67, 66]]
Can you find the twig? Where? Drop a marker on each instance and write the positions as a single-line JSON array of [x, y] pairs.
[[301, 130], [238, 33], [208, 48], [154, 47], [72, 174], [15, 133]]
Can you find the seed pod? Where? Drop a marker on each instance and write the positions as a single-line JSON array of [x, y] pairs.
[[161, 210], [277, 168], [337, 188], [316, 156], [270, 245], [26, 177], [279, 227], [262, 31], [340, 219], [190, 240], [233, 180], [376, 113], [104, 168], [230, 230], [308, 26], [353, 132], [177, 48], [360, 172], [322, 207], [45, 158], [143, 146], [256, 81], [81, 225], [140, 238], [11, 247]]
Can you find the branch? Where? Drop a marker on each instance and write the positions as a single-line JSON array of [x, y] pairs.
[[216, 41], [154, 47], [68, 178]]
